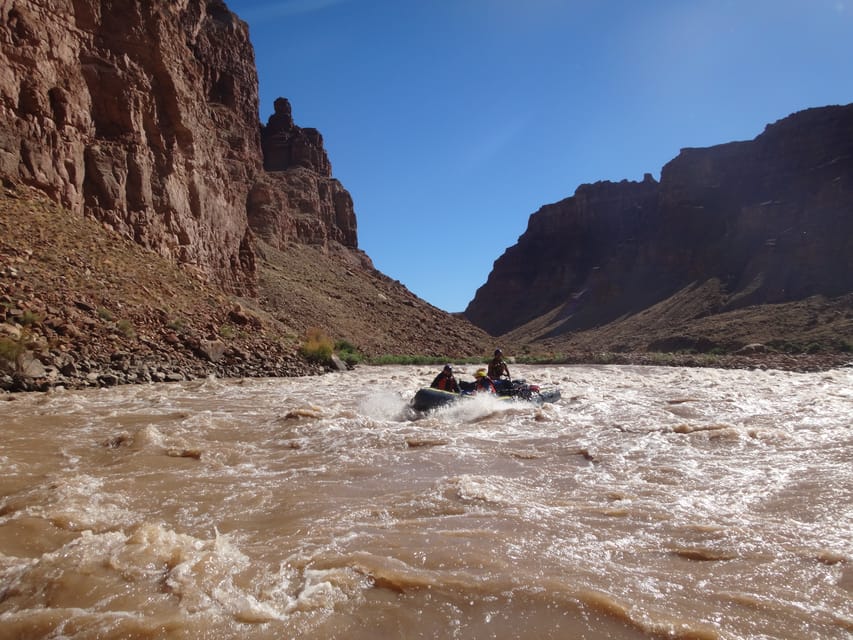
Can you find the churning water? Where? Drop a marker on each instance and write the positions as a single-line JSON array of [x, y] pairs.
[[649, 502]]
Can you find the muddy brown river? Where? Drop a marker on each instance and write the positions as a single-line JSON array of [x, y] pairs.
[[650, 502]]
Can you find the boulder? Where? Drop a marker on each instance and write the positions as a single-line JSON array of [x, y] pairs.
[[213, 350], [29, 366]]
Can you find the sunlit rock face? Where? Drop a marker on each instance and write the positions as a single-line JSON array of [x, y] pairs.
[[144, 114], [298, 199], [768, 220]]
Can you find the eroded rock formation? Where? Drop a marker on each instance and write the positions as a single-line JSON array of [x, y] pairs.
[[144, 114], [298, 199], [766, 221]]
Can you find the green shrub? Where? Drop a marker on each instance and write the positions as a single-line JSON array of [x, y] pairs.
[[541, 358], [105, 314], [344, 345], [28, 318], [348, 353], [603, 357], [389, 358], [125, 328], [664, 358], [176, 324], [318, 347], [10, 349], [793, 348]]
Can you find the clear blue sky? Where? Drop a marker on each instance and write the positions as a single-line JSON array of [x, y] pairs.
[[451, 121]]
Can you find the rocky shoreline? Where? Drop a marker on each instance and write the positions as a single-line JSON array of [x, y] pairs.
[[74, 372], [44, 354], [81, 307], [756, 358]]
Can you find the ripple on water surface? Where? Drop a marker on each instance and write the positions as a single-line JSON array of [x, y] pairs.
[[649, 501]]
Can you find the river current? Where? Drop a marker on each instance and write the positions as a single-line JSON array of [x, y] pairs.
[[649, 502]]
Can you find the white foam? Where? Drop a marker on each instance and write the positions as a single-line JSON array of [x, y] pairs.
[[596, 490]]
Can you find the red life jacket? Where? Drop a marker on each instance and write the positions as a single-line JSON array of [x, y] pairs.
[[445, 383]]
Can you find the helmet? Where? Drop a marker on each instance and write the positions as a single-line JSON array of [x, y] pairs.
[[481, 373], [447, 367], [498, 352]]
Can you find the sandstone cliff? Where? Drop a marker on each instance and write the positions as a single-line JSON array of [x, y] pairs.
[[297, 199], [763, 222], [142, 115]]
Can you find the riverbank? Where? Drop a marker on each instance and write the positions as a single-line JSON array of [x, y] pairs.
[[83, 307], [189, 361], [753, 357]]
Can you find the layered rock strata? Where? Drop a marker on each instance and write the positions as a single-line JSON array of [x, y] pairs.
[[145, 116], [766, 221], [297, 199], [142, 114]]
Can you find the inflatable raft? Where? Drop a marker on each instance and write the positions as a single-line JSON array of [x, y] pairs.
[[427, 398]]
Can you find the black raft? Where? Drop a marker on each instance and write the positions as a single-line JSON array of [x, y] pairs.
[[427, 398]]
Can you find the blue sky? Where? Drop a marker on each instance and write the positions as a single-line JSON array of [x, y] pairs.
[[451, 121]]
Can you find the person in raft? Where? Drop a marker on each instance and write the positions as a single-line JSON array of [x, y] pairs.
[[445, 380], [498, 371], [482, 382]]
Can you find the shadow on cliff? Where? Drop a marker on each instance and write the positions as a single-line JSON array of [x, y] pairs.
[[732, 243]]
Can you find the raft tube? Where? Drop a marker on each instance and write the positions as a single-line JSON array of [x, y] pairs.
[[427, 398]]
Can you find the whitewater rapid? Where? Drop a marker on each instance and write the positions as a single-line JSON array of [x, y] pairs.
[[648, 502]]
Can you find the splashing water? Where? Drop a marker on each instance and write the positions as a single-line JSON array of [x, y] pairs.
[[675, 503]]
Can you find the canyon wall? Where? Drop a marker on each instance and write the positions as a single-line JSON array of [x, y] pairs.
[[144, 114], [768, 221], [297, 199]]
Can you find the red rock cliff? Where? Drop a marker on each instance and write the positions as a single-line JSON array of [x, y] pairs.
[[144, 114], [298, 199], [770, 220]]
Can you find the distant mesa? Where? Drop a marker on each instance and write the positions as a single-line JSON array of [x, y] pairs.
[[729, 227]]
